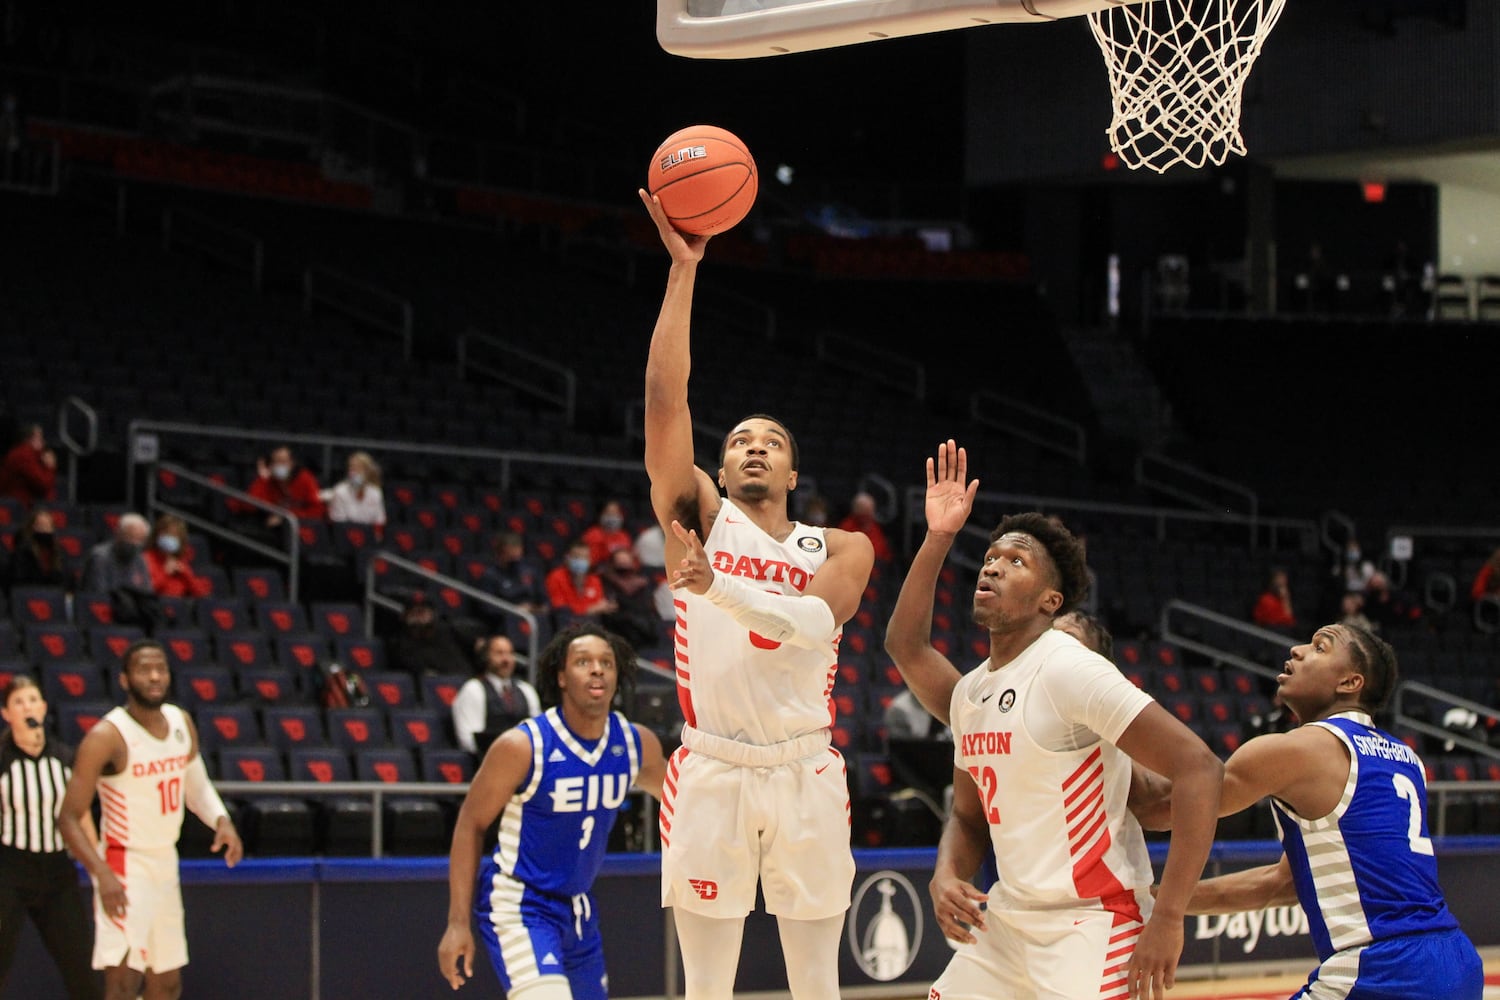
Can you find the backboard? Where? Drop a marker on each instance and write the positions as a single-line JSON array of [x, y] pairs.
[[742, 29]]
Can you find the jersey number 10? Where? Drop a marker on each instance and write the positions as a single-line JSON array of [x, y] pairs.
[[171, 795]]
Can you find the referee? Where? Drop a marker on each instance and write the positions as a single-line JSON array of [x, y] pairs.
[[36, 874]]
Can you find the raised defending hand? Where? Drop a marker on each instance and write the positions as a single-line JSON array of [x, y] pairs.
[[227, 839], [948, 500], [694, 572], [956, 904], [684, 247], [456, 955], [1153, 965]]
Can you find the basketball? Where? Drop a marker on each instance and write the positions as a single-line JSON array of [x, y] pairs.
[[705, 178]]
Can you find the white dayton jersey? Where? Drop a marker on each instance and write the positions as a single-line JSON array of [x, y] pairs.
[[141, 806], [1037, 736], [738, 685]]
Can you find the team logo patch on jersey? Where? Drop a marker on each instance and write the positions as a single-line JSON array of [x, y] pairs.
[[1008, 700], [810, 544], [885, 925], [181, 736], [706, 888]]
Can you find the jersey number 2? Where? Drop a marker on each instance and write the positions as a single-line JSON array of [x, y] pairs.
[[171, 795], [1408, 791], [988, 783]]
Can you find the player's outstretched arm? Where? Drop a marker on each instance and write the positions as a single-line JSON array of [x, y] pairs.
[[101, 748], [965, 836], [929, 674], [678, 488], [1164, 745], [505, 766], [1252, 889], [653, 765], [203, 801]]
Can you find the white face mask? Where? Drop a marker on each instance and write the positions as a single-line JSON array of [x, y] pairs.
[[170, 544], [356, 479], [281, 471]]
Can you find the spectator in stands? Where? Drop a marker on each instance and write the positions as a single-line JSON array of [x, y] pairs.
[[1273, 608], [815, 511], [574, 590], [861, 518], [635, 618], [1356, 569], [1352, 612], [358, 498], [427, 644], [608, 534], [651, 549], [38, 560], [169, 559], [906, 719], [494, 699], [29, 471], [284, 483], [1386, 606], [1487, 580], [118, 568], [514, 576]]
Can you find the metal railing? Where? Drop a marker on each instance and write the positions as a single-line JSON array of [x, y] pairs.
[[1400, 703], [77, 449], [875, 363], [374, 599], [361, 300], [708, 439], [524, 378], [1486, 533], [1180, 639], [226, 244], [146, 433], [290, 556], [1030, 423], [732, 309], [1271, 528], [377, 792], [1152, 470]]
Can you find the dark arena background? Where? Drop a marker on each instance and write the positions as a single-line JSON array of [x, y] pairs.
[[411, 230]]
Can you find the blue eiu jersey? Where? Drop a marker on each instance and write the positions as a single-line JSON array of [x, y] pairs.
[[1366, 872], [555, 828]]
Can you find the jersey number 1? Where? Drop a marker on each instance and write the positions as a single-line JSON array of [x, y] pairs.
[[171, 795]]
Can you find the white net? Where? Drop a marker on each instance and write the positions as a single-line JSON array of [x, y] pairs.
[[1177, 69]]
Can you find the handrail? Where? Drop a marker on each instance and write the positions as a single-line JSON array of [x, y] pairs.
[[708, 435], [291, 556], [738, 312], [1169, 634], [889, 498], [140, 432], [172, 231], [315, 275], [1068, 439], [76, 449], [1143, 477], [1161, 515], [1406, 688], [566, 400], [379, 791], [850, 354], [1325, 533], [374, 598]]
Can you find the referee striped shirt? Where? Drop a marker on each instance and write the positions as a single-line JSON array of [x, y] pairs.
[[31, 793]]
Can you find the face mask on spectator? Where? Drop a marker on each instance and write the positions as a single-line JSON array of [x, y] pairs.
[[578, 565], [170, 544], [612, 522], [356, 479], [281, 470]]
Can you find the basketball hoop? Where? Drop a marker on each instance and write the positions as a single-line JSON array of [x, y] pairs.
[[1177, 70]]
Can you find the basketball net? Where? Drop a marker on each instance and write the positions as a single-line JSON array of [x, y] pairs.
[[1177, 69]]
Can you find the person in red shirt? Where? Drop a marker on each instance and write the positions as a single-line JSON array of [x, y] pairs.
[[1487, 580], [1273, 609], [575, 591], [169, 559], [608, 534], [862, 519], [29, 472], [283, 482]]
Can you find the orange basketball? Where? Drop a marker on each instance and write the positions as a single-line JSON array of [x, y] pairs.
[[705, 178]]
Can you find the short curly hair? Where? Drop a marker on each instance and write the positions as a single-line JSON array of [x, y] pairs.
[[1071, 575], [554, 656]]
